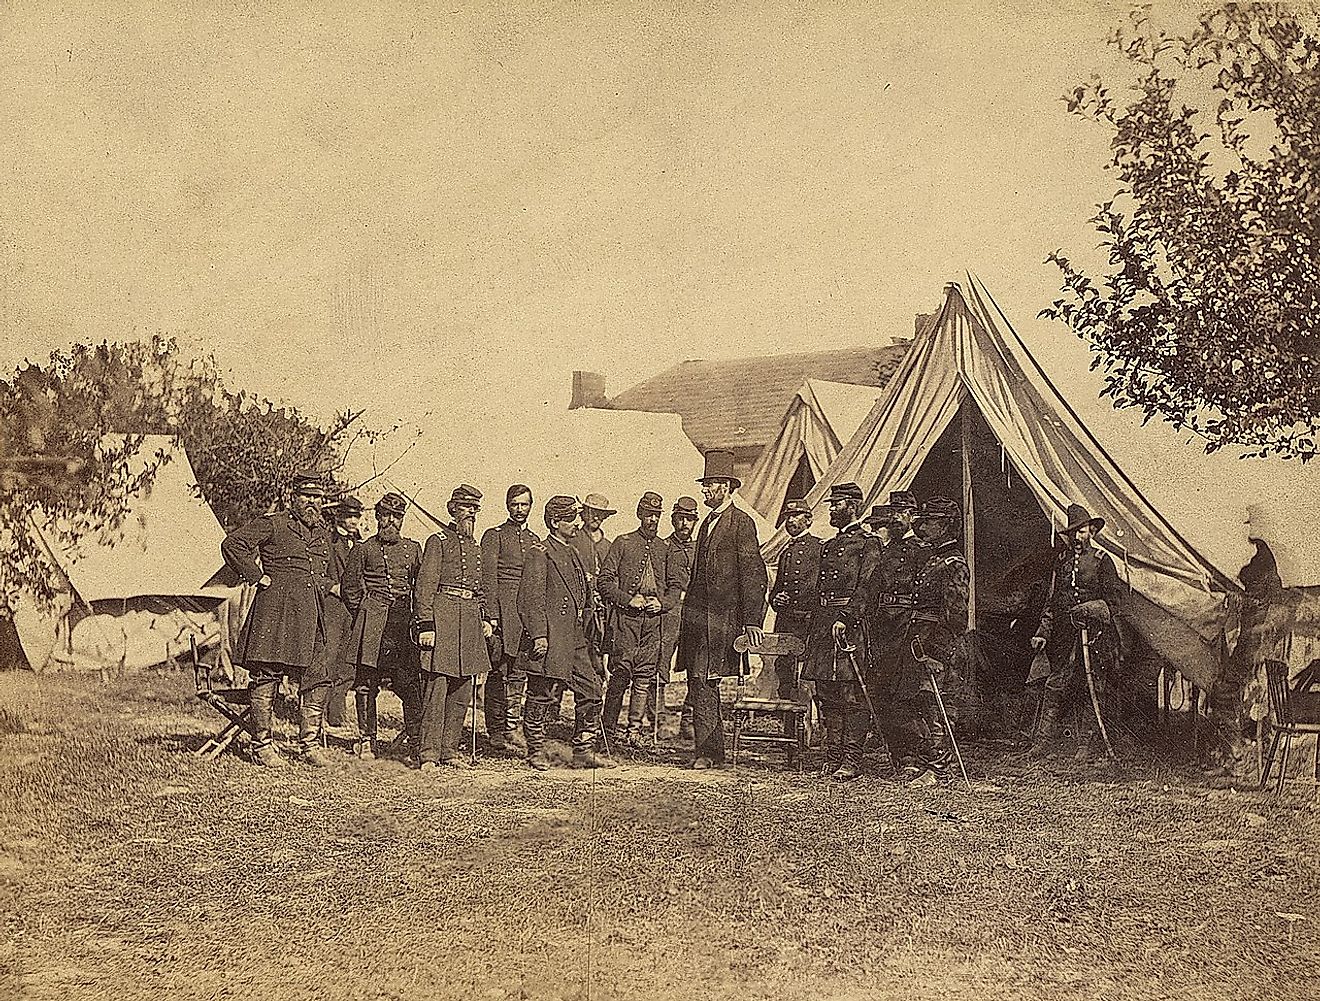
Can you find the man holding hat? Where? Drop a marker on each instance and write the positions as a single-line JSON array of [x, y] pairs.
[[343, 517], [503, 553], [553, 599], [725, 597], [836, 654], [286, 555], [683, 521], [640, 579], [378, 587], [939, 621], [1084, 587], [452, 624], [794, 596]]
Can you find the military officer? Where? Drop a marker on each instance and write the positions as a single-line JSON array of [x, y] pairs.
[[640, 579], [683, 522], [344, 518], [553, 599], [1084, 586], [796, 592], [939, 621], [286, 555], [378, 588], [836, 652], [503, 552], [452, 624]]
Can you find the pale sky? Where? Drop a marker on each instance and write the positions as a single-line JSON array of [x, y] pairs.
[[450, 211]]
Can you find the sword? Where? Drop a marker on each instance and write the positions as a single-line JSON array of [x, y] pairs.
[[919, 653], [841, 645], [1090, 687]]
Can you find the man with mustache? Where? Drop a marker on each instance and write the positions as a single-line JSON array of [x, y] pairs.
[[640, 579], [286, 555], [836, 654], [452, 623], [503, 554], [795, 592], [683, 521], [553, 599], [343, 516], [378, 588]]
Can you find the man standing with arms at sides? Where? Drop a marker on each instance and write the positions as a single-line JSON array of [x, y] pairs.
[[639, 580], [553, 599], [836, 655], [452, 626], [592, 545], [343, 517], [287, 556], [378, 587], [683, 519], [725, 597], [794, 596], [503, 552]]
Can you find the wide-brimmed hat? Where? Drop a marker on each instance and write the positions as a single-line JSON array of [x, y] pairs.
[[719, 466], [309, 483], [1078, 516], [844, 491], [651, 503], [797, 506], [686, 506], [392, 503], [598, 502]]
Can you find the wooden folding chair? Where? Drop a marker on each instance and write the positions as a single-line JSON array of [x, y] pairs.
[[1285, 725], [234, 704], [749, 710]]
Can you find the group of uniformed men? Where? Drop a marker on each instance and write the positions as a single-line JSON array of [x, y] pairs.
[[881, 608]]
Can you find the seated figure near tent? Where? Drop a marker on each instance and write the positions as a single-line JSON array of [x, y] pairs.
[[1084, 591], [888, 599], [287, 556], [343, 516], [836, 653], [795, 592], [553, 600], [378, 588], [936, 629], [640, 579], [503, 555], [453, 625]]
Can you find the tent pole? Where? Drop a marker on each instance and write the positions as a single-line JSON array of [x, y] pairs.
[[969, 516]]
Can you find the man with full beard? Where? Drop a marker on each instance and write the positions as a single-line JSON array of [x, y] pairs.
[[553, 600], [836, 652], [795, 595], [378, 588], [286, 555], [452, 624], [503, 553]]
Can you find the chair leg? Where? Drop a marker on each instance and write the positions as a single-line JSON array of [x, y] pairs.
[[1283, 762], [1269, 758]]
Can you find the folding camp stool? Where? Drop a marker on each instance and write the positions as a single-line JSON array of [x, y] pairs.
[[234, 704], [749, 710], [1286, 722]]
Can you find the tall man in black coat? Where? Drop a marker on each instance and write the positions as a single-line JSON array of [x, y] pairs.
[[553, 599], [725, 596], [503, 554]]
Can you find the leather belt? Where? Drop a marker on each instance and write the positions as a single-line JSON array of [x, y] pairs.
[[835, 601], [456, 592], [893, 599]]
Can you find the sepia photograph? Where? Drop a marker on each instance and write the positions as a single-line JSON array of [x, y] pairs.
[[707, 501]]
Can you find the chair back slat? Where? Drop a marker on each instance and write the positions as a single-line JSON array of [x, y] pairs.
[[1276, 681]]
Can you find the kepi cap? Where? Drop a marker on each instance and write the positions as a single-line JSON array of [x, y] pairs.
[[465, 493], [686, 505], [651, 503], [797, 506], [845, 491], [309, 482], [392, 503], [903, 499]]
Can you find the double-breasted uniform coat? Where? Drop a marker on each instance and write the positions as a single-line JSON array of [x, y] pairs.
[[448, 598], [846, 561], [553, 598], [378, 586], [504, 551]]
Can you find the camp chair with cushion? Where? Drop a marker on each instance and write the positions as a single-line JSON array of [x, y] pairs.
[[751, 708], [1288, 717], [234, 704]]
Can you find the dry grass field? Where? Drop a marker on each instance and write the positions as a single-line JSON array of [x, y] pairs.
[[131, 869]]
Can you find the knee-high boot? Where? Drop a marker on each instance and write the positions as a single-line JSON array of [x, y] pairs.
[[533, 724], [856, 724], [311, 706], [366, 720], [263, 716], [831, 720]]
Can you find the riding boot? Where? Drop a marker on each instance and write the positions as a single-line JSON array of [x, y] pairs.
[[533, 726], [831, 720], [587, 727], [615, 689], [366, 721], [638, 699], [685, 723], [311, 706], [856, 723], [263, 715]]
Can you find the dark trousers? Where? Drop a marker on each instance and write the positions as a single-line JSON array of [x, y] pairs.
[[847, 720], [707, 718], [544, 696], [633, 664], [444, 705], [506, 688]]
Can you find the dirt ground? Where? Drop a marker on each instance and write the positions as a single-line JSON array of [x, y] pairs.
[[129, 868]]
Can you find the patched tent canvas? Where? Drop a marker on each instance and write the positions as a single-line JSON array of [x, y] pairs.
[[820, 418], [970, 414], [132, 597]]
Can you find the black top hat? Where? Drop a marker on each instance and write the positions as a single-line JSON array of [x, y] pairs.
[[1078, 516], [392, 503], [719, 466], [845, 491], [651, 503], [797, 506]]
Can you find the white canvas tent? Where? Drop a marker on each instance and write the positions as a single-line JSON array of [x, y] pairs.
[[970, 414], [132, 597], [821, 417], [620, 454]]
